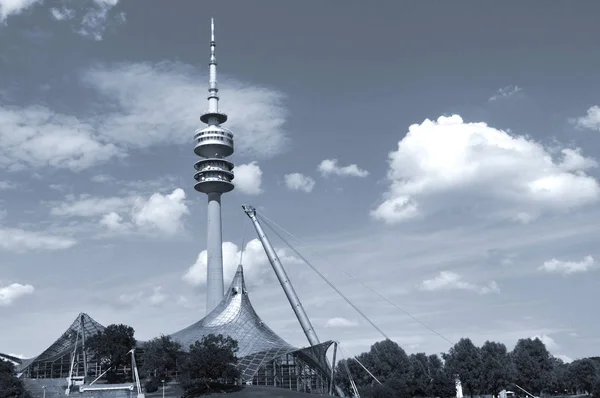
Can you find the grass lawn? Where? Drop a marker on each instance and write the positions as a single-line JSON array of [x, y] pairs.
[[175, 391]]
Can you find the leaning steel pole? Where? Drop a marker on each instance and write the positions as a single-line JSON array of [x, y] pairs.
[[85, 364], [307, 327]]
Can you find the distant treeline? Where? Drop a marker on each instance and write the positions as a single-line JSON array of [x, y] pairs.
[[483, 370]]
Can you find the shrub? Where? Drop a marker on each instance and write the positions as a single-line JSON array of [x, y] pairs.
[[151, 385]]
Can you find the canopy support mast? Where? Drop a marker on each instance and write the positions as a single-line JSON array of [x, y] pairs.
[[305, 323]]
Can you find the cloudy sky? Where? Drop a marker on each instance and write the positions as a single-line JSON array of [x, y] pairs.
[[444, 154]]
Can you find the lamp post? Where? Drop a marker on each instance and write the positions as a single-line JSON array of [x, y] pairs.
[[163, 383], [44, 389]]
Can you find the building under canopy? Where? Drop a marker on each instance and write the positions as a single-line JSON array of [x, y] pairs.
[[55, 361], [264, 357]]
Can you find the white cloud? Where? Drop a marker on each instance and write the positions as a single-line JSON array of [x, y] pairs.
[[13, 7], [144, 105], [89, 206], [248, 178], [564, 358], [339, 322], [257, 269], [58, 187], [6, 185], [91, 17], [19, 240], [330, 167], [505, 92], [156, 298], [573, 161], [131, 298], [114, 222], [158, 213], [591, 121], [548, 341], [552, 346], [161, 212], [95, 19], [568, 267], [62, 14], [447, 280], [183, 302], [150, 104], [37, 137], [299, 182], [101, 178], [160, 184], [10, 293], [447, 160]]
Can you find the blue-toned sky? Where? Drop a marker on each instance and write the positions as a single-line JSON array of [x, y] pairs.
[[444, 153]]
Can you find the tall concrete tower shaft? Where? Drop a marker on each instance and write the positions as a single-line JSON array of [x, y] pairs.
[[214, 175]]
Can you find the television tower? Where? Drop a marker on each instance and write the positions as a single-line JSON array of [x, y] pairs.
[[214, 175]]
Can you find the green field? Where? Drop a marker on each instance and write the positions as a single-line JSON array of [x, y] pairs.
[[174, 391]]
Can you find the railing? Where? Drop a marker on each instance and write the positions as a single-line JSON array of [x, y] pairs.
[[219, 112], [220, 131]]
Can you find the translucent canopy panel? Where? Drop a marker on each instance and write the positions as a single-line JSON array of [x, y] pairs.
[[66, 343], [257, 343]]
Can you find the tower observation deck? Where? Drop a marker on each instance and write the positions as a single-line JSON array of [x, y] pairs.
[[214, 175]]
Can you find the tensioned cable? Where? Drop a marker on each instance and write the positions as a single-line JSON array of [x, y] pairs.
[[269, 221], [362, 283], [352, 383], [243, 241], [359, 362], [326, 280]]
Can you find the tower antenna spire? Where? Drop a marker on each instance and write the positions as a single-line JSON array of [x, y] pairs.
[[214, 175], [212, 30], [213, 96]]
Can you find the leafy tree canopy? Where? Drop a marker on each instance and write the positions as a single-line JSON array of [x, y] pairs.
[[496, 367], [464, 359], [160, 356], [533, 365], [485, 370], [111, 346], [584, 373], [212, 358], [10, 386]]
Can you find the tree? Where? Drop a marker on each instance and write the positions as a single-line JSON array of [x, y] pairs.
[[464, 359], [596, 389], [421, 377], [388, 360], [360, 376], [533, 365], [488, 369], [496, 367], [442, 384], [341, 374], [560, 381], [584, 373], [10, 386], [110, 347], [211, 359], [160, 356]]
